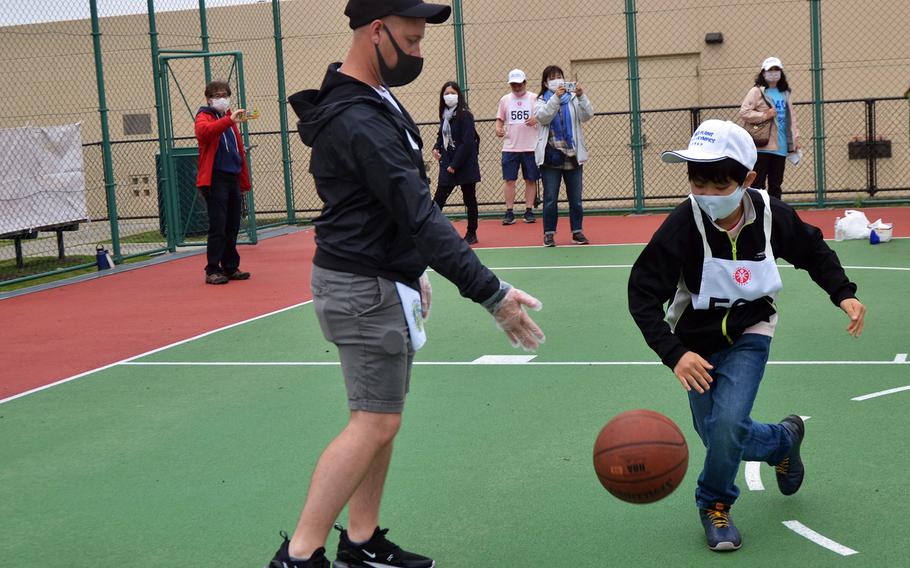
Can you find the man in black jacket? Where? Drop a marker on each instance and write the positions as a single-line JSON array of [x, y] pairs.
[[376, 235], [714, 258]]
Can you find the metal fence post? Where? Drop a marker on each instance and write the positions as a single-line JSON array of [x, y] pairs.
[[871, 149], [204, 33], [245, 133], [461, 68], [283, 115], [164, 181], [635, 106], [110, 184], [818, 97]]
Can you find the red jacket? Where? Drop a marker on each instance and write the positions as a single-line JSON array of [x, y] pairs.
[[208, 132]]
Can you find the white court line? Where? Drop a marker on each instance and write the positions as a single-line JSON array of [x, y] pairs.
[[147, 353], [881, 393], [900, 358], [753, 471], [821, 540], [753, 476], [504, 360]]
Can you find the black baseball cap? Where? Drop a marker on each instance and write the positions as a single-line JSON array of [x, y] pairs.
[[362, 12]]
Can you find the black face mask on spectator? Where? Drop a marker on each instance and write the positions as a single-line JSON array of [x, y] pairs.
[[409, 67]]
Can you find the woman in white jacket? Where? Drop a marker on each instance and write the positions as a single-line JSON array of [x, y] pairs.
[[561, 151]]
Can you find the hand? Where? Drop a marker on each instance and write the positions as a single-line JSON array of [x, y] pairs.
[[500, 131], [770, 113], [513, 319], [560, 91], [238, 115], [692, 372], [436, 154], [796, 145], [450, 169], [857, 312], [579, 90], [426, 296], [531, 121]]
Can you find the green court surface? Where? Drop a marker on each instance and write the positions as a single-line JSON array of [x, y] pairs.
[[201, 464]]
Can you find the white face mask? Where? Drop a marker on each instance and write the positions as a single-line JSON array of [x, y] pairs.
[[720, 206], [772, 76], [555, 84], [221, 105], [451, 100]]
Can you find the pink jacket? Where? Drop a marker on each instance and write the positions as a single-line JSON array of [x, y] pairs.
[[753, 111]]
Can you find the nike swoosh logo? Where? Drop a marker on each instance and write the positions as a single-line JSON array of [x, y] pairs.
[[370, 554]]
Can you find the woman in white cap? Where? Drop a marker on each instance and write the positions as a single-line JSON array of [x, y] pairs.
[[770, 99]]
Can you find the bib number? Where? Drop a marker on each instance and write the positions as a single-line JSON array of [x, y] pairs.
[[519, 112]]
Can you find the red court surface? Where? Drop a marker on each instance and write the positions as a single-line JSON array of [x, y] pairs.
[[51, 335]]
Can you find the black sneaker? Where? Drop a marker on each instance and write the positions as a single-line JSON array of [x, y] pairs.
[[529, 216], [238, 275], [719, 528], [790, 471], [283, 560], [508, 218], [470, 238], [378, 552], [548, 240], [579, 238]]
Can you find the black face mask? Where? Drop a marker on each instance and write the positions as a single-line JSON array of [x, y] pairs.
[[408, 68]]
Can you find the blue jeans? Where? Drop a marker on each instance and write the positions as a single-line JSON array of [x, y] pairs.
[[721, 418], [551, 179]]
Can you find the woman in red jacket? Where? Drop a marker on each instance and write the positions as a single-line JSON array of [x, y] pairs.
[[222, 179]]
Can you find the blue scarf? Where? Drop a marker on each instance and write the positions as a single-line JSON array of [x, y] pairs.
[[561, 127]]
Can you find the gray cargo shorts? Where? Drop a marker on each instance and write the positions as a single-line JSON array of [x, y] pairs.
[[363, 317]]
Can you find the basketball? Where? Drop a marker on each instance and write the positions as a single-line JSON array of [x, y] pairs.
[[640, 456]]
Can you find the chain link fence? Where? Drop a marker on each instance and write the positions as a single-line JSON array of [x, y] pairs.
[[695, 59]]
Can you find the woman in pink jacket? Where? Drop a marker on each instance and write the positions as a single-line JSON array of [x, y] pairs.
[[770, 99]]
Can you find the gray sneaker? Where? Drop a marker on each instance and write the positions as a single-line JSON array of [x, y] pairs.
[[508, 218], [548, 240], [216, 278]]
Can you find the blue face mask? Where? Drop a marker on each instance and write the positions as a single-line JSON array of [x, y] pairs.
[[720, 206]]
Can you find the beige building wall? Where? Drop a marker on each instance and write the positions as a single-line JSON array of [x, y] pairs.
[[48, 78]]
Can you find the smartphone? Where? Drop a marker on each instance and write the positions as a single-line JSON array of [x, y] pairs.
[[570, 86]]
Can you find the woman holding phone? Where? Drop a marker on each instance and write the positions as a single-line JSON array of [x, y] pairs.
[[561, 151]]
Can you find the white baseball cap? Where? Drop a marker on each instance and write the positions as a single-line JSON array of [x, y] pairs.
[[715, 140], [771, 62], [517, 76]]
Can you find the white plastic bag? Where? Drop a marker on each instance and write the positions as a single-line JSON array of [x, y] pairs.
[[853, 225]]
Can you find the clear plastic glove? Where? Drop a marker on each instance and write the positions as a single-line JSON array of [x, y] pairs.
[[426, 296], [512, 317]]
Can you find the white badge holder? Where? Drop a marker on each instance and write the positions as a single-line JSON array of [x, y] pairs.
[[413, 314]]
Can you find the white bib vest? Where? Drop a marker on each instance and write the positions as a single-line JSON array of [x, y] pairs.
[[728, 283]]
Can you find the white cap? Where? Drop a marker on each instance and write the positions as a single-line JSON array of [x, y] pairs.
[[715, 140], [771, 62], [517, 76]]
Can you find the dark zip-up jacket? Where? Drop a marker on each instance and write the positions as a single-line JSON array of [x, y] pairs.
[[378, 218], [676, 250]]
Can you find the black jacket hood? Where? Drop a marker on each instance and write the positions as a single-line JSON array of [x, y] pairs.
[[316, 108]]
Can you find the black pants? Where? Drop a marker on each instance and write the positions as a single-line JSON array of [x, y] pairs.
[[469, 191], [770, 167], [223, 200]]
